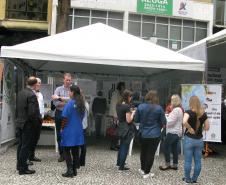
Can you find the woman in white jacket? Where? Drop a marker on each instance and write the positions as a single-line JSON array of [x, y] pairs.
[[173, 133]]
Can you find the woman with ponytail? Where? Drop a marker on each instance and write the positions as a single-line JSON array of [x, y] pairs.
[[72, 131], [195, 121]]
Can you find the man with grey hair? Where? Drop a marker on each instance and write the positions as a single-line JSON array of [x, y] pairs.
[[28, 116], [37, 131], [61, 97]]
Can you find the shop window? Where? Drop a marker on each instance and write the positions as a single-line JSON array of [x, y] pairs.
[[83, 17], [81, 12], [163, 43], [80, 22], [188, 34], [115, 15], [200, 34], [162, 20], [188, 23], [146, 18], [27, 9], [115, 23], [175, 45], [134, 28], [162, 31], [148, 29], [201, 24], [96, 20], [97, 13], [176, 22], [175, 32], [185, 44], [134, 17]]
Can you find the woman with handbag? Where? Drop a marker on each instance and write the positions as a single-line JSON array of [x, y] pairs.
[[126, 129]]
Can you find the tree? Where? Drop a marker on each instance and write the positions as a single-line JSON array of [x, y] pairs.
[[63, 15]]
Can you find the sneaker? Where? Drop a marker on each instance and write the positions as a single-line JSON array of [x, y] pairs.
[[152, 174], [141, 172], [145, 176]]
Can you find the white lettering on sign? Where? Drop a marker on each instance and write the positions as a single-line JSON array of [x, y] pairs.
[[156, 1]]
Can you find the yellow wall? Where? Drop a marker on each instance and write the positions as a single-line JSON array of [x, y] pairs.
[[2, 9]]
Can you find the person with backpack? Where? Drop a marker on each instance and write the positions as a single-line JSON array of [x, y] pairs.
[[173, 133]]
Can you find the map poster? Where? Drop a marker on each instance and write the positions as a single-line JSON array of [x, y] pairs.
[[210, 97]]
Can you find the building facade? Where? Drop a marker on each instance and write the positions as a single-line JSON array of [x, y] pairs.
[[23, 20], [174, 24]]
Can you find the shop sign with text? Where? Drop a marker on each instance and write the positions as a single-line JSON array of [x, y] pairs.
[[161, 7]]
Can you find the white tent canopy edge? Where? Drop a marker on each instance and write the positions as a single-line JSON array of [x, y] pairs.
[[99, 44]]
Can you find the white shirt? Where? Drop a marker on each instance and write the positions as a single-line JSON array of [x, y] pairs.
[[174, 122], [85, 119], [40, 103]]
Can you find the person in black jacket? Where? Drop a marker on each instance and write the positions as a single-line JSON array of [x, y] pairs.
[[28, 117], [99, 108]]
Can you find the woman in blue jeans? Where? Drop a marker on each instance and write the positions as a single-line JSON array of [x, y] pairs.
[[126, 129], [194, 121], [173, 133]]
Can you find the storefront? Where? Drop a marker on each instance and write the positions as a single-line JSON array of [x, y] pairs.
[[173, 24]]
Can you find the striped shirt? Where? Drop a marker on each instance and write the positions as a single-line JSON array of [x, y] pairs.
[[61, 92]]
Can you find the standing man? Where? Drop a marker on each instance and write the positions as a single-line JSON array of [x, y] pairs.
[[37, 130], [60, 97], [116, 97], [99, 108], [28, 117]]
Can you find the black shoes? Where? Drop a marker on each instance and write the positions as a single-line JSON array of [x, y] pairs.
[[70, 173], [35, 159], [114, 148], [26, 172], [123, 168], [61, 159]]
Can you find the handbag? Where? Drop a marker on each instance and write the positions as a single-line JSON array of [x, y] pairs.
[[112, 131]]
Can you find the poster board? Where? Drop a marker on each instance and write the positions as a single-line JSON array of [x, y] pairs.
[[210, 97]]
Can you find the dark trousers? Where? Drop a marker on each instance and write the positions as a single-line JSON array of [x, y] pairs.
[[34, 141], [171, 144], [82, 157], [24, 139], [71, 155], [58, 119], [98, 123], [122, 153], [148, 149]]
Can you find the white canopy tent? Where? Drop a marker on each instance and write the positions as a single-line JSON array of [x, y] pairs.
[[100, 49]]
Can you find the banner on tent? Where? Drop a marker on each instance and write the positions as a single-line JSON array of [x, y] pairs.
[[210, 97]]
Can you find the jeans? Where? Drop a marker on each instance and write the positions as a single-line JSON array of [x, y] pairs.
[[122, 153], [192, 148], [171, 144], [58, 120], [147, 154]]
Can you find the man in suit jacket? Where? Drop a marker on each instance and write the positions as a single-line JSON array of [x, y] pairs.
[[28, 117]]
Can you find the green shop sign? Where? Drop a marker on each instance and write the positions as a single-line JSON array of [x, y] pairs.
[[162, 7]]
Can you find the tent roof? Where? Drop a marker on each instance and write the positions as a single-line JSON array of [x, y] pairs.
[[99, 48]]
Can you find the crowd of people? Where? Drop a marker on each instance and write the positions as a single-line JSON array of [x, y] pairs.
[[71, 115]]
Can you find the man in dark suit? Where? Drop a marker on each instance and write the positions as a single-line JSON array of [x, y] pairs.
[[28, 116]]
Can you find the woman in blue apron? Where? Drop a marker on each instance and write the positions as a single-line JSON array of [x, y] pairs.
[[72, 131]]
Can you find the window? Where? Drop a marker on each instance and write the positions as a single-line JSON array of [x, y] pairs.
[[82, 17], [27, 9]]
